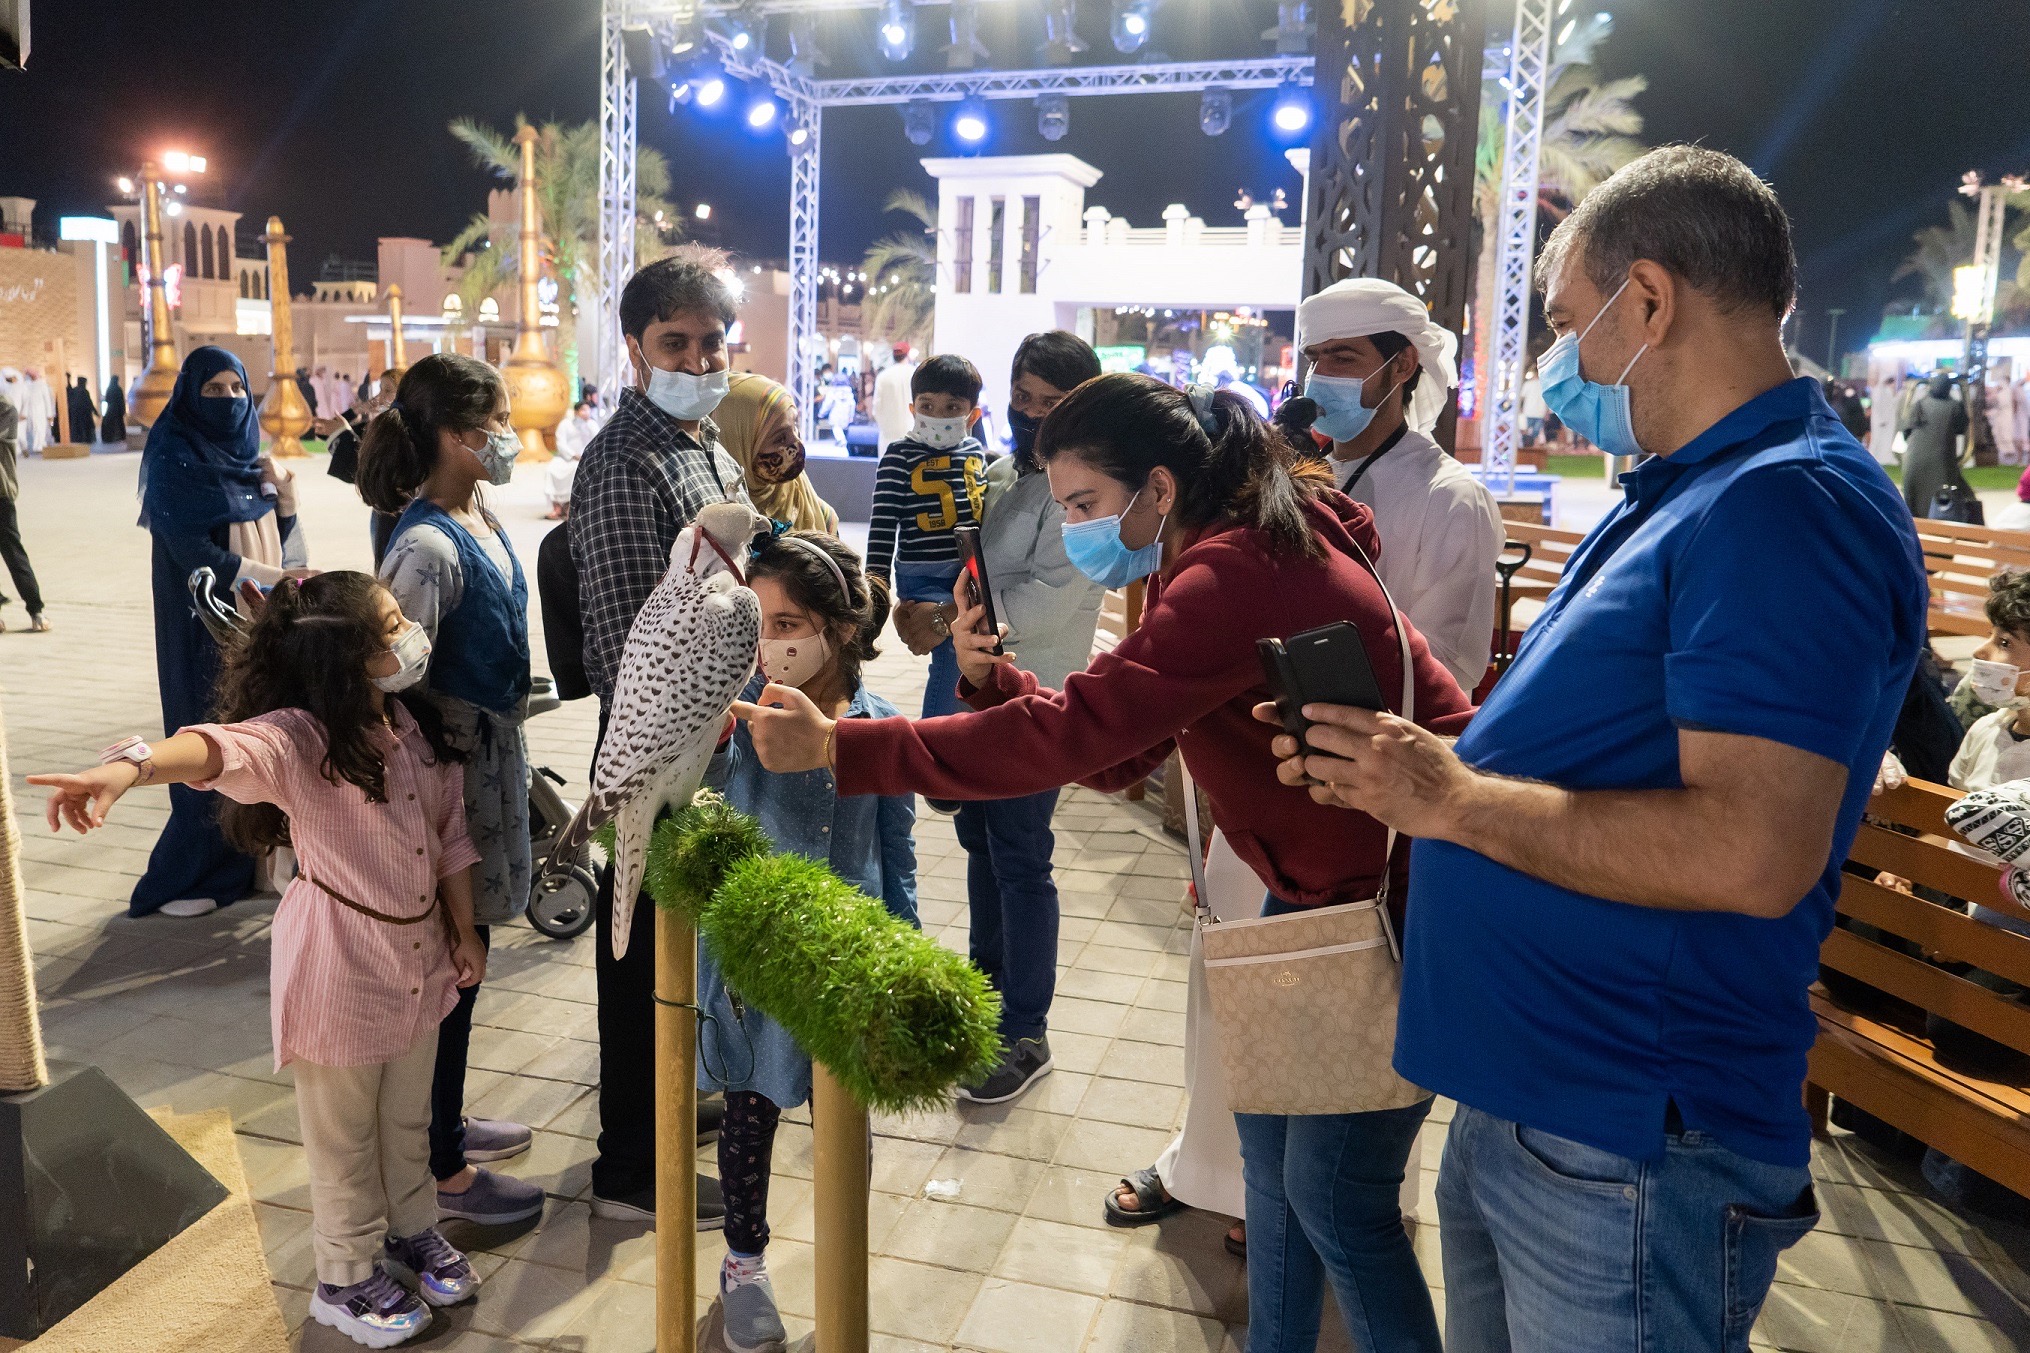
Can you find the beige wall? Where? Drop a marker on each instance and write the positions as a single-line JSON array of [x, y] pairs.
[[40, 305]]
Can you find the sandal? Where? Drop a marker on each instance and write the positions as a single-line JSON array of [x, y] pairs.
[[1237, 1247], [1152, 1201]]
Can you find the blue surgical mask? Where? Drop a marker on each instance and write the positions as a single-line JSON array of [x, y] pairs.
[[1096, 549], [1597, 412], [686, 397], [1341, 415]]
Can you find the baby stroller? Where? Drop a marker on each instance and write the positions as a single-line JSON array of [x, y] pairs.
[[561, 907]]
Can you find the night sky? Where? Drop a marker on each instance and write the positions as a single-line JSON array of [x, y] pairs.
[[1863, 113]]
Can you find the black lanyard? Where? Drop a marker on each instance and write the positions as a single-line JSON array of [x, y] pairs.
[[1380, 451]]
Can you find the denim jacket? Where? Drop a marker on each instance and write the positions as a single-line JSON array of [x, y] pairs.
[[868, 840]]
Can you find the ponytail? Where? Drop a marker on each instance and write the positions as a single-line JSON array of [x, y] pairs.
[[1230, 465], [399, 451]]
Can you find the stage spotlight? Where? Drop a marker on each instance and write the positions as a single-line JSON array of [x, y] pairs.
[[1053, 116], [680, 93], [711, 91], [1131, 25], [1061, 41], [1292, 110], [1215, 111], [897, 30], [970, 123], [737, 33], [1294, 28], [761, 114], [919, 122], [966, 47], [801, 142]]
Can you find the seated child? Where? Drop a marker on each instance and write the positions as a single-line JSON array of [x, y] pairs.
[[927, 483], [819, 616]]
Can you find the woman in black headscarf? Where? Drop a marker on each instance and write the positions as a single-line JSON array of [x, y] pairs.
[[203, 501], [1931, 457], [114, 428], [82, 421]]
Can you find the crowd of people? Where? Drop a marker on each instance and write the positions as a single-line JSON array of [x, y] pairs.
[[1624, 857]]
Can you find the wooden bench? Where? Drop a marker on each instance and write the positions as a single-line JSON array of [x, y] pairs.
[[1880, 1059], [1960, 560]]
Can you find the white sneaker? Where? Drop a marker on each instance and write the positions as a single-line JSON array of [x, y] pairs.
[[190, 906]]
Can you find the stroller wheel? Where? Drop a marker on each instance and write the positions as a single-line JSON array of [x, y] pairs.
[[563, 909]]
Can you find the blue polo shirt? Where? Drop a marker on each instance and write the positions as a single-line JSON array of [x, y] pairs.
[[1762, 580]]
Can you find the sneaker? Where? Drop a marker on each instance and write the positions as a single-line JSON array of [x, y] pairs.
[[640, 1205], [379, 1312], [492, 1200], [491, 1139], [949, 807], [192, 906], [441, 1274], [1020, 1066], [747, 1302]]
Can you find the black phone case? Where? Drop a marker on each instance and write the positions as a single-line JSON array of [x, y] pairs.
[[973, 559], [1327, 666]]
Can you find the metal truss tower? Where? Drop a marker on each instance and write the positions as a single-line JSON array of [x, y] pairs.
[[600, 319], [1391, 183], [1516, 241]]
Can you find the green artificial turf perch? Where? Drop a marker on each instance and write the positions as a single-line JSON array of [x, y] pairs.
[[895, 1016]]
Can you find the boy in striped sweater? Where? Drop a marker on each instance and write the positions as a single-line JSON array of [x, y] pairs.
[[929, 482]]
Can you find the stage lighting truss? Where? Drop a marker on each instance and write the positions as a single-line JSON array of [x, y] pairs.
[[1131, 25], [1053, 116], [895, 30], [1215, 111]]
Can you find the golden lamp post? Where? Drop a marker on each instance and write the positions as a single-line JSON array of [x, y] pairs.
[[284, 415], [676, 1090], [151, 393], [535, 384], [398, 355]]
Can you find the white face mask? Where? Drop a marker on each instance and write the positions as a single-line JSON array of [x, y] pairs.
[[1994, 683], [940, 434], [412, 650], [497, 457], [792, 662], [685, 397]]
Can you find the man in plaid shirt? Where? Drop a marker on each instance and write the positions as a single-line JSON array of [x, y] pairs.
[[641, 481]]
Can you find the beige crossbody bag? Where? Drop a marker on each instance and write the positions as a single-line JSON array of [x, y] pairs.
[[1306, 1002]]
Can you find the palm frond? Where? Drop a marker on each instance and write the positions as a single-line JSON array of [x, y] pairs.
[[912, 203], [490, 150]]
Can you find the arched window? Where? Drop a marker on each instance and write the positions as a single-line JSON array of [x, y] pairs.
[[225, 253], [453, 305], [205, 252], [264, 286], [189, 249], [130, 244], [489, 311]]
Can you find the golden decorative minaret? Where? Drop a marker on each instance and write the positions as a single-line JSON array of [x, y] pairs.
[[151, 393], [285, 416], [535, 384], [398, 356]]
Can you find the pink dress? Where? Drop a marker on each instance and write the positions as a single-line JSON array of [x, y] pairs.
[[346, 989]]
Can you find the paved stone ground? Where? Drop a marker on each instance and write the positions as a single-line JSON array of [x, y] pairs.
[[176, 1011]]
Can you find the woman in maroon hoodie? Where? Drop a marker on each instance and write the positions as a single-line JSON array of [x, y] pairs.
[[1240, 541]]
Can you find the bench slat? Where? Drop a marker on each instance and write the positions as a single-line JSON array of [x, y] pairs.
[[1939, 930], [1927, 861], [1934, 989], [1916, 803]]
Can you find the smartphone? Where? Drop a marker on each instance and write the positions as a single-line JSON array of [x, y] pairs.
[[973, 560], [1325, 666]]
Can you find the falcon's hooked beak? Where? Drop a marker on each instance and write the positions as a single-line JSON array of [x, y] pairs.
[[728, 528]]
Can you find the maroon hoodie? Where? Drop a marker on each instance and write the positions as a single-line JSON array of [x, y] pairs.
[[1189, 678]]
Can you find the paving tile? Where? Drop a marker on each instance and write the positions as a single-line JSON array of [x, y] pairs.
[[1181, 1265], [1136, 1103], [1074, 1196], [1054, 1254], [1925, 1331], [1810, 1320], [933, 1232], [1013, 1131], [989, 1178], [1124, 1327], [919, 1301], [1942, 1280], [1010, 1317]]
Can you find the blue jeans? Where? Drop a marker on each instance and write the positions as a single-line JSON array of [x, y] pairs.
[[933, 582], [1552, 1246], [1014, 904], [1323, 1202]]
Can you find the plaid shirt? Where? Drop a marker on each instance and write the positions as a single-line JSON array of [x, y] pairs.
[[640, 481]]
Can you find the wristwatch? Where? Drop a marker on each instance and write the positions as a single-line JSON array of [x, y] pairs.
[[133, 750], [940, 623]]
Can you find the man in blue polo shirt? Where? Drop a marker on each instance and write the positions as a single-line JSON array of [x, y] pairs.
[[1624, 870]]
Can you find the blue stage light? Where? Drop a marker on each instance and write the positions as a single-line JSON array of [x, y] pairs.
[[970, 123], [761, 114], [711, 91], [1292, 113], [896, 30], [1131, 25]]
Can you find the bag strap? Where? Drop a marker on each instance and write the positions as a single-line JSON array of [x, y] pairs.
[[1408, 708]]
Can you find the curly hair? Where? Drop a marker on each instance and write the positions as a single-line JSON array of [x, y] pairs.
[[309, 649], [811, 585], [2008, 604]]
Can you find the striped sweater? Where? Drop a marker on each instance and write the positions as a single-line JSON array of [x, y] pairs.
[[920, 494]]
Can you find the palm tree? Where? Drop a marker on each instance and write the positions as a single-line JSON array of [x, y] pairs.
[[902, 275], [567, 204], [1590, 130]]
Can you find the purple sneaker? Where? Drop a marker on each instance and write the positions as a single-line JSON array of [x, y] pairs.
[[378, 1312], [492, 1200], [443, 1277], [491, 1139]]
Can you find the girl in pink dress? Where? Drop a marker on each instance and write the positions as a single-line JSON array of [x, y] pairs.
[[317, 750]]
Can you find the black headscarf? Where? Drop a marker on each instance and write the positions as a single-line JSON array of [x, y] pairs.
[[200, 468]]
